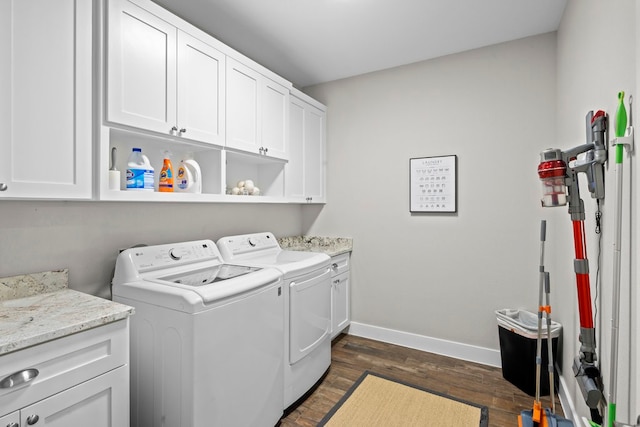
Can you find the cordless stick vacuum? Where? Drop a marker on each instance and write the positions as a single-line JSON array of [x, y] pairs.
[[558, 172]]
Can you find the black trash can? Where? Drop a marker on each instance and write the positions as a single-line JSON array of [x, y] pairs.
[[518, 333]]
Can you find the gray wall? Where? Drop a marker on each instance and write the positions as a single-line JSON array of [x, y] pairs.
[[597, 57], [86, 236], [441, 275]]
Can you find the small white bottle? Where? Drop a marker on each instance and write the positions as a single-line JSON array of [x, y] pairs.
[[139, 172]]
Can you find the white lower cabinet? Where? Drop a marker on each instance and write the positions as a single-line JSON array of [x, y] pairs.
[[93, 403], [78, 380], [10, 420], [340, 294]]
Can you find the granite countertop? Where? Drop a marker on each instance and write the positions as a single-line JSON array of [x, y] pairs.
[[331, 246], [37, 317]]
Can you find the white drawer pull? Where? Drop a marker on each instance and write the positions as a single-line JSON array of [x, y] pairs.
[[19, 378]]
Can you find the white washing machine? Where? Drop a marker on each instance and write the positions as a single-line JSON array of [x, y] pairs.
[[307, 295], [205, 337]]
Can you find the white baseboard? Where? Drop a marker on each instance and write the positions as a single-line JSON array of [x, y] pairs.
[[567, 404], [472, 353]]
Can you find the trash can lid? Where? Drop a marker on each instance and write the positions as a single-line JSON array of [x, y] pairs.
[[525, 323]]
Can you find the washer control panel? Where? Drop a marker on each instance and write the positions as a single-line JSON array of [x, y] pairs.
[[232, 246], [148, 258]]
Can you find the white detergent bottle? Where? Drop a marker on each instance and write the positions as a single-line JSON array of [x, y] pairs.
[[189, 177], [139, 172]]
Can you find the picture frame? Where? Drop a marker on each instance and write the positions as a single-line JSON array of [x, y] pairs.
[[433, 184]]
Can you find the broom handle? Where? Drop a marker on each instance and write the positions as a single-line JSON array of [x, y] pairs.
[[547, 289], [543, 234]]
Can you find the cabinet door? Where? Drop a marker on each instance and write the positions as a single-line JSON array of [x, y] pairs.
[[340, 316], [201, 110], [243, 87], [305, 176], [275, 119], [100, 402], [314, 154], [294, 173], [10, 420], [141, 69], [45, 98]]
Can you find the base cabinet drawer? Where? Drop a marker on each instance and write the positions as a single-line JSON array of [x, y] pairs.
[[339, 264]]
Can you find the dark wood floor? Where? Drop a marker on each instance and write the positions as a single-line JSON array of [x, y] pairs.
[[351, 356]]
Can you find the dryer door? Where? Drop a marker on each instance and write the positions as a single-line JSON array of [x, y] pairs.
[[310, 313]]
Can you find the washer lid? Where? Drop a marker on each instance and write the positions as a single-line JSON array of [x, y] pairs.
[[200, 296], [191, 298], [207, 275]]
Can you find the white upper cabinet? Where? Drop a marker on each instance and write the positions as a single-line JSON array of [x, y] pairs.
[[162, 79], [243, 87], [257, 112], [275, 119], [314, 154], [305, 172], [201, 91], [46, 99], [141, 68]]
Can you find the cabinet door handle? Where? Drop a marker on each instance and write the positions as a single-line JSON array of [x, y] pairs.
[[32, 419], [3, 186], [13, 425], [334, 265], [173, 129], [18, 378], [183, 130]]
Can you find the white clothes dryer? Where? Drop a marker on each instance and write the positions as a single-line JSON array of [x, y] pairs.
[[205, 338], [307, 295]]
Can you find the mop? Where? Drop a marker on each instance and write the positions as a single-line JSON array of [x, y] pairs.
[[624, 138], [539, 416]]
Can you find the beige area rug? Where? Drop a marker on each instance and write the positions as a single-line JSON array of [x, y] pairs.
[[375, 400]]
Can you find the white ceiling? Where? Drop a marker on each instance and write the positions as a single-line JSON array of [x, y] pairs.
[[315, 41]]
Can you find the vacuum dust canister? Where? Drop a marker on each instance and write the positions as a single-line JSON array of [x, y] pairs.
[[552, 171]]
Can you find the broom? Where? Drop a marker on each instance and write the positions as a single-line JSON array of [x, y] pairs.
[[537, 417]]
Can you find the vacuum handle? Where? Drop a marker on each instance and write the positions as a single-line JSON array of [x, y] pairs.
[[543, 230]]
